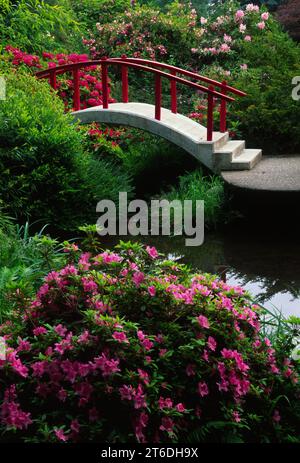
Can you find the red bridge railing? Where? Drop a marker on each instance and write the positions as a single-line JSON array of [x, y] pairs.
[[160, 70]]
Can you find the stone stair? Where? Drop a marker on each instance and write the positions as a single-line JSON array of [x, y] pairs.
[[233, 155]]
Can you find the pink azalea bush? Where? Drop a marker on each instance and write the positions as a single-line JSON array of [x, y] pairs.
[[90, 77], [127, 346]]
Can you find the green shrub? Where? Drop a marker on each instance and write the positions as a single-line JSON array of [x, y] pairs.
[[34, 25], [90, 12], [268, 116], [46, 174]]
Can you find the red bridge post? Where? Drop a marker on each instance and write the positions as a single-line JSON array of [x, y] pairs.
[[104, 82], [158, 97], [53, 79], [173, 93], [76, 96], [124, 73], [210, 113], [223, 108]]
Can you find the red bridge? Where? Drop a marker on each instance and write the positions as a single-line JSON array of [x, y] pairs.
[[213, 148]]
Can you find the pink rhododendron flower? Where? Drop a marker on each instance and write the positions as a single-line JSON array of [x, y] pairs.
[[265, 16], [248, 38], [261, 25], [239, 15], [225, 48], [227, 38], [252, 7]]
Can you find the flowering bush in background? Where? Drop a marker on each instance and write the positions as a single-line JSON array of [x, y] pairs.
[[143, 31], [127, 346]]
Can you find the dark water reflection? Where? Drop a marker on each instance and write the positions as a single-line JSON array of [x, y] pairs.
[[267, 267]]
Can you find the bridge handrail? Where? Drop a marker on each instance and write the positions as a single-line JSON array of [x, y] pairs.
[[125, 62], [184, 72]]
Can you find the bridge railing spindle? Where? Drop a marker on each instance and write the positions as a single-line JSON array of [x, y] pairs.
[[76, 95], [223, 108], [210, 113], [158, 97], [124, 71], [53, 79], [104, 83], [173, 93]]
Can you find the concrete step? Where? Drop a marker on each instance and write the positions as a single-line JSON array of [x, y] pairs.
[[231, 149], [246, 160], [219, 140]]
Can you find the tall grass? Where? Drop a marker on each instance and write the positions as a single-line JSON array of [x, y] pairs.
[[24, 260], [198, 186]]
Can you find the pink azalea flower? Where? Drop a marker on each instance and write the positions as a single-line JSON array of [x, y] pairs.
[[211, 343], [276, 416], [120, 336], [61, 435], [180, 408], [143, 376], [236, 416], [203, 389], [152, 291], [190, 370], [39, 331], [152, 252], [203, 321], [60, 330], [167, 424], [138, 278], [75, 426], [248, 38]]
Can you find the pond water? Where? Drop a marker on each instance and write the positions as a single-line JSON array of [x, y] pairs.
[[267, 266]]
